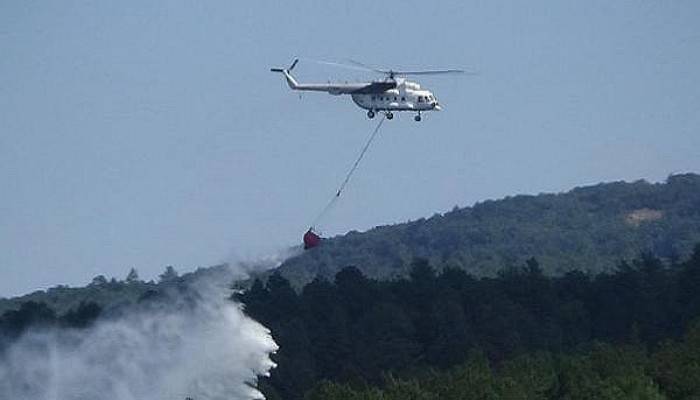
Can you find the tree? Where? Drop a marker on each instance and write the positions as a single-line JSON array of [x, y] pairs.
[[676, 366], [326, 390], [282, 301], [356, 292], [608, 373], [452, 337], [529, 377], [169, 275], [472, 380], [133, 276], [99, 280], [689, 282], [83, 316], [30, 315], [406, 390], [385, 340]]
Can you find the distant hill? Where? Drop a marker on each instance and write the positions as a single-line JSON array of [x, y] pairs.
[[588, 228], [112, 293]]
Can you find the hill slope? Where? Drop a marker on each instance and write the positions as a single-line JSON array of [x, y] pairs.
[[588, 228], [112, 293]]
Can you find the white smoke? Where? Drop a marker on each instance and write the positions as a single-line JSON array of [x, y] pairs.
[[264, 262], [194, 343]]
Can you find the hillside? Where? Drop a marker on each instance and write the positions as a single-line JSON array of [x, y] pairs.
[[111, 293], [588, 228]]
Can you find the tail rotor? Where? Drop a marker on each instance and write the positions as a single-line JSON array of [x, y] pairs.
[[291, 67]]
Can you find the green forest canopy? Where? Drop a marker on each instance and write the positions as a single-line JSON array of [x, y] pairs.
[[526, 328]]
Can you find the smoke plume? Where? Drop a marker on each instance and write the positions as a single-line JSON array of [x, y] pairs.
[[190, 342]]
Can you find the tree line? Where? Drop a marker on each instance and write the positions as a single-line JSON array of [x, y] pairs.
[[64, 307]]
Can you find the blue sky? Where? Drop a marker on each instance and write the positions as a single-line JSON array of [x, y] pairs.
[[145, 133]]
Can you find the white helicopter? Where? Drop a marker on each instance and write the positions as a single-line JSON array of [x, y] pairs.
[[395, 93]]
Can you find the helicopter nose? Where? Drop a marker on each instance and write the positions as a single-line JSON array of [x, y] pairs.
[[437, 107]]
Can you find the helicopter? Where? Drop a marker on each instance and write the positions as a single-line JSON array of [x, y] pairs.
[[394, 93]]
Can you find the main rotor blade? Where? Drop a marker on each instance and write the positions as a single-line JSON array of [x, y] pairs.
[[405, 73], [341, 65], [367, 67], [358, 66], [435, 72]]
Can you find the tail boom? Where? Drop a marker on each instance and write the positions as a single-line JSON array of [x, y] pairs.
[[331, 88]]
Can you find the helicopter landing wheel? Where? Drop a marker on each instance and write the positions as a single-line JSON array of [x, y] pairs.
[[389, 115], [370, 114], [417, 118]]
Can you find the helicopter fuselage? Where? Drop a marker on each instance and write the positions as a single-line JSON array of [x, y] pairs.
[[406, 96]]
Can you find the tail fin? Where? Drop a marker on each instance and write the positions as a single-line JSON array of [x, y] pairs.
[[290, 79]]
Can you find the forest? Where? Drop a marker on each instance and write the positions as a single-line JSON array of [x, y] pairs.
[[628, 333], [441, 333]]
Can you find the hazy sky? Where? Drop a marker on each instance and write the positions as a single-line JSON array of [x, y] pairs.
[[149, 133]]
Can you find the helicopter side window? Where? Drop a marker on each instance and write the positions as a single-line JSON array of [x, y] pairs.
[[394, 98], [403, 99], [420, 99], [374, 98]]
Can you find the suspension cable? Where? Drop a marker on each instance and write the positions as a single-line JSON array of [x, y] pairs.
[[350, 173]]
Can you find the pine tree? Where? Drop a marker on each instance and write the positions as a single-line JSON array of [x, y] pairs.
[[133, 276]]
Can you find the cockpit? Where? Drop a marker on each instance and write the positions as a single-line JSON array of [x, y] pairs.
[[430, 99]]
